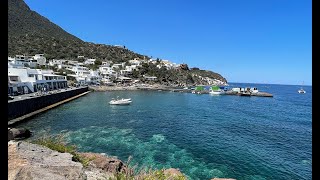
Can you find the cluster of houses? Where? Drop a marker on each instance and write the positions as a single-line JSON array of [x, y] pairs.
[[25, 76]]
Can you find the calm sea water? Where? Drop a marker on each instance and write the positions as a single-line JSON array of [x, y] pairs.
[[205, 136]]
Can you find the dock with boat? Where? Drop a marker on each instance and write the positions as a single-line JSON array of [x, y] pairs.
[[260, 94], [238, 91]]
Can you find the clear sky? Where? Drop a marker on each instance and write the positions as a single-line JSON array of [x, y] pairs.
[[255, 41]]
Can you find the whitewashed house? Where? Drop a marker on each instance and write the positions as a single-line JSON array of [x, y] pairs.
[[22, 60], [82, 74], [150, 78], [26, 80], [118, 66], [41, 60], [89, 61]]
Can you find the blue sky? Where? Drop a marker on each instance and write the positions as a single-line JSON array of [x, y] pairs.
[[255, 41]]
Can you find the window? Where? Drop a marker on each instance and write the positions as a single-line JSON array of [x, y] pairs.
[[14, 78]]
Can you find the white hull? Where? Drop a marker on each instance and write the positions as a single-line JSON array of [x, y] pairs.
[[301, 91], [120, 101], [216, 92]]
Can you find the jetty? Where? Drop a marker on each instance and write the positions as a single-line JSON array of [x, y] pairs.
[[25, 106], [260, 94]]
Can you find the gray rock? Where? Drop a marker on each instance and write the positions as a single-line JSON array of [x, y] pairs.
[[107, 164], [18, 133], [31, 161]]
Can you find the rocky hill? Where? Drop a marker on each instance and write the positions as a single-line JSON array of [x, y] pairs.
[[30, 33]]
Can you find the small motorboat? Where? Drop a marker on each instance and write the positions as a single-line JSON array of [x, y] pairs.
[[301, 91], [120, 101]]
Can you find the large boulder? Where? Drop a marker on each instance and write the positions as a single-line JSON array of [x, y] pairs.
[[107, 164], [18, 133], [31, 161], [172, 173]]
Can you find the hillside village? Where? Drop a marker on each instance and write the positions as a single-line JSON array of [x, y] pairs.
[[27, 74]]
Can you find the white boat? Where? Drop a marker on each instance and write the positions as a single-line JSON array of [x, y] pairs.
[[215, 90], [301, 91], [120, 101]]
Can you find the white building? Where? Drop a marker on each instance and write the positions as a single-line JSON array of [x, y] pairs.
[[94, 77], [22, 61], [26, 80], [150, 78], [107, 72], [82, 74], [126, 72], [41, 60], [117, 66], [135, 62], [105, 63], [89, 61]]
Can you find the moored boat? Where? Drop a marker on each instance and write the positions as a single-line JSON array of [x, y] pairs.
[[301, 91], [120, 101], [215, 90]]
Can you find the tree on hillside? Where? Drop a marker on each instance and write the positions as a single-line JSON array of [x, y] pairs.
[[98, 62]]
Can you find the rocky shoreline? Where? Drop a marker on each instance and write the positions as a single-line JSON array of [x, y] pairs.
[[27, 160], [133, 88], [32, 161]]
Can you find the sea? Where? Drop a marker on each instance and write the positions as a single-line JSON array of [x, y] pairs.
[[202, 135]]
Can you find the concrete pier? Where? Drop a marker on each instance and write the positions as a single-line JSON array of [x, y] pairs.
[[260, 94], [23, 107]]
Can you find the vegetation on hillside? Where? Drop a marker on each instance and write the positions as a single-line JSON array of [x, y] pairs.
[[180, 76], [30, 33]]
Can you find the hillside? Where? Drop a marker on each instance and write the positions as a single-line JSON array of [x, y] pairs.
[[30, 33]]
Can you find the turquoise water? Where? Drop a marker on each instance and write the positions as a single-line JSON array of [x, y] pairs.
[[205, 136]]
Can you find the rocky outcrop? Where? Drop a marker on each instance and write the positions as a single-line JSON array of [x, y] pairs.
[[20, 133], [171, 173], [30, 161], [107, 164]]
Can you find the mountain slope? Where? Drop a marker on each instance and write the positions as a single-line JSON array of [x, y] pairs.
[[30, 33]]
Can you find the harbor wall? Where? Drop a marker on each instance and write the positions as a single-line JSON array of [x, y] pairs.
[[25, 106]]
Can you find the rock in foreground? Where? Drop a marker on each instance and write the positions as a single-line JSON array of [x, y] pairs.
[[30, 161]]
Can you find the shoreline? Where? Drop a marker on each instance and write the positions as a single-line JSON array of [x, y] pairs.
[[131, 88]]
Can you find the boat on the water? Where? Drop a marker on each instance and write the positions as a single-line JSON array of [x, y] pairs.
[[215, 90], [121, 101], [301, 91]]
